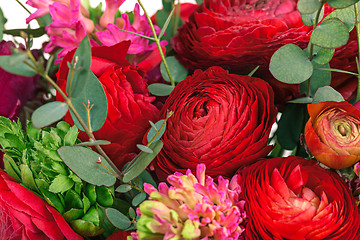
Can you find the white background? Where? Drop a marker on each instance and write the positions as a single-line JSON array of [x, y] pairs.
[[16, 15]]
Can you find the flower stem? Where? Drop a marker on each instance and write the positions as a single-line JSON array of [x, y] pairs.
[[358, 43], [157, 41]]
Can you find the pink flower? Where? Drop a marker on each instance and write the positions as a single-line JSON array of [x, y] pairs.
[[193, 207], [42, 7], [111, 7], [140, 25]]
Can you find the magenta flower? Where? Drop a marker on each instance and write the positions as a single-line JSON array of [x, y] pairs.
[[194, 207], [42, 7], [113, 33], [111, 7], [15, 90]]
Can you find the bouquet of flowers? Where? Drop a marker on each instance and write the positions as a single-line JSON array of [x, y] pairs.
[[217, 119]]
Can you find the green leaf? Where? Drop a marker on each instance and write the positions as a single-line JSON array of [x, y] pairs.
[[290, 64], [83, 162], [144, 148], [104, 196], [160, 89], [320, 78], [86, 228], [166, 24], [27, 177], [132, 213], [309, 19], [90, 193], [48, 114], [199, 1], [123, 188], [93, 92], [345, 15], [73, 200], [61, 184], [308, 6], [11, 167], [154, 129], [304, 100], [92, 215], [15, 64], [138, 199], [331, 33], [142, 161], [34, 32], [77, 80], [71, 136], [290, 125], [322, 55], [341, 3], [73, 214], [2, 24], [53, 200], [97, 142], [177, 70], [118, 219], [327, 93]]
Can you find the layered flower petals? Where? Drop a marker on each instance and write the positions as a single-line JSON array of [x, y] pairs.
[[294, 198], [332, 133], [220, 119]]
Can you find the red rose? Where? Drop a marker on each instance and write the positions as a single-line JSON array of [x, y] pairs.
[[222, 120], [241, 35], [332, 133], [129, 105], [24, 215], [294, 198], [15, 89]]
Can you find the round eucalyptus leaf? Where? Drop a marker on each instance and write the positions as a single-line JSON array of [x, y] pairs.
[[327, 93], [118, 219], [48, 114], [331, 33], [308, 6], [160, 89]]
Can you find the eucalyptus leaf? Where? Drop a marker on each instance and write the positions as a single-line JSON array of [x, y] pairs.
[[331, 33], [166, 24], [138, 199], [308, 6], [142, 161], [154, 129], [83, 162], [95, 94], [160, 89], [78, 77], [48, 114], [123, 188], [327, 93], [290, 64], [94, 143], [341, 3], [144, 148], [118, 219], [309, 19], [15, 64], [345, 15], [177, 70], [322, 55], [304, 100]]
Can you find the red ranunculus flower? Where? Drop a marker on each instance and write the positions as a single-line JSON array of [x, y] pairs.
[[222, 120], [332, 133], [294, 198], [24, 215], [15, 90], [240, 35], [129, 105]]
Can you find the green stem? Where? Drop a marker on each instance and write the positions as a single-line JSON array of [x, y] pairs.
[[311, 51], [157, 41], [337, 70], [22, 5], [41, 71], [358, 43]]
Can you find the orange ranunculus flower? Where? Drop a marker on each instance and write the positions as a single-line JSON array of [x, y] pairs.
[[332, 133]]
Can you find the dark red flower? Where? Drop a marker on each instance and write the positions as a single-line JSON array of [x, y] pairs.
[[15, 90], [24, 215], [129, 102], [294, 198], [222, 120]]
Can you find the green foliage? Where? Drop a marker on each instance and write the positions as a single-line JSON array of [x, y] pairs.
[[31, 158], [2, 23], [79, 71], [345, 15], [341, 3], [118, 219], [290, 64], [290, 126], [95, 94], [327, 93], [49, 113], [15, 64], [319, 78], [331, 33], [160, 89], [84, 162], [309, 19], [177, 70], [308, 6]]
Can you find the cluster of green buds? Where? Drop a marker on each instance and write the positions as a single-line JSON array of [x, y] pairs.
[[31, 158]]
